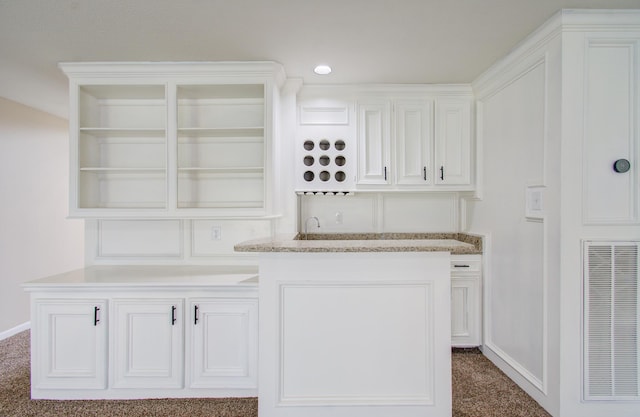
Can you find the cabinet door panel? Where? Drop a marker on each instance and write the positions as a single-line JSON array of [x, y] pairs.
[[147, 343], [413, 127], [611, 131], [459, 311], [224, 343], [453, 142], [70, 344], [374, 143], [465, 311]]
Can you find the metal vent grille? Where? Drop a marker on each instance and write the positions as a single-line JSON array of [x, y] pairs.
[[611, 354]]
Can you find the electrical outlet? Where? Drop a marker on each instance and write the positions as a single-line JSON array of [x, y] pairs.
[[216, 233]]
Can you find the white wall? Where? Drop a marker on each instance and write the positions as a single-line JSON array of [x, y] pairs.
[[171, 241], [537, 126], [518, 136], [36, 239], [382, 212]]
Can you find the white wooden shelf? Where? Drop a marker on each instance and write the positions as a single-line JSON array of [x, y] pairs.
[[123, 169], [238, 170], [115, 131], [253, 131]]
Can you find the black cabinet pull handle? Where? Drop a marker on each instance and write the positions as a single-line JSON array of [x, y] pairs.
[[442, 172], [195, 314], [385, 173], [96, 320], [173, 315], [461, 266], [424, 171]]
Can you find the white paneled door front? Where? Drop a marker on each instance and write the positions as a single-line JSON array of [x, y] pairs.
[[69, 344], [147, 343], [224, 343]]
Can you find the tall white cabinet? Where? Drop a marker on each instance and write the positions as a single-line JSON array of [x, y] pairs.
[[172, 139]]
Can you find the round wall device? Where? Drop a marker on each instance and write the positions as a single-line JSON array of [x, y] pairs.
[[621, 166]]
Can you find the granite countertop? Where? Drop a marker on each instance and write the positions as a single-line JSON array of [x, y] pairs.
[[456, 243]]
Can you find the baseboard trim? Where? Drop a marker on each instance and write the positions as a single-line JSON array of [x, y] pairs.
[[19, 328], [515, 374]]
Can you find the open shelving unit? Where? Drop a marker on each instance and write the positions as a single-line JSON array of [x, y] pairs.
[[122, 143], [171, 139], [221, 146]]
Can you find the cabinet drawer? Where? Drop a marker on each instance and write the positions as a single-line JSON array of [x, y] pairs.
[[460, 263]]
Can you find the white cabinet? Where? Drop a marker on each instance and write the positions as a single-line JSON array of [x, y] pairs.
[[146, 343], [466, 300], [137, 332], [168, 140], [414, 143], [453, 142], [69, 344], [395, 150], [413, 129], [224, 345], [374, 143]]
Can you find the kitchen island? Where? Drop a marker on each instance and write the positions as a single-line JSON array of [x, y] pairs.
[[355, 325]]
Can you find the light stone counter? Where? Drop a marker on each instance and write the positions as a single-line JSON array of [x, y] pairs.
[[149, 276], [455, 243]]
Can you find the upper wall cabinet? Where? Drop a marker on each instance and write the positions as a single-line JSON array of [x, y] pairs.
[[417, 141], [395, 142], [172, 139], [453, 142], [374, 143]]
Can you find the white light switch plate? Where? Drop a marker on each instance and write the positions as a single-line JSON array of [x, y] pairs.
[[534, 204]]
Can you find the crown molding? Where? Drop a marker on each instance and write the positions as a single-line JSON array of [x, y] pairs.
[[610, 20], [385, 90], [534, 46], [222, 69]]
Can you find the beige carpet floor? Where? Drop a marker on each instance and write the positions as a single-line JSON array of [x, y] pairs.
[[479, 390]]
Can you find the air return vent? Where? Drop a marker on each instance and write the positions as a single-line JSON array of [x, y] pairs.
[[611, 316]]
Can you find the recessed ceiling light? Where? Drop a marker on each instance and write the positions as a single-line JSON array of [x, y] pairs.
[[322, 70]]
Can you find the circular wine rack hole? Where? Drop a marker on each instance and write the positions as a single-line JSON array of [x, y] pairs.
[[308, 160], [309, 145], [324, 176], [324, 160], [340, 160], [340, 145], [324, 144], [309, 176], [340, 176]]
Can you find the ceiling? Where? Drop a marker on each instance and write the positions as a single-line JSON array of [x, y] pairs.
[[365, 41]]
